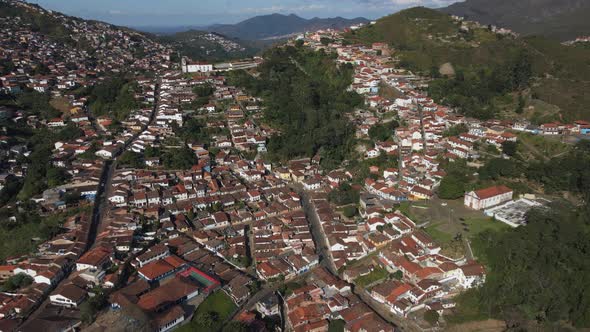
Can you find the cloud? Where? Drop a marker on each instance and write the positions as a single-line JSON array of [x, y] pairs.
[[405, 3]]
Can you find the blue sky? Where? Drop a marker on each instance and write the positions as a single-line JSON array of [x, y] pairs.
[[205, 12]]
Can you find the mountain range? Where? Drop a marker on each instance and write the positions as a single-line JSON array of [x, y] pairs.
[[559, 19], [277, 26]]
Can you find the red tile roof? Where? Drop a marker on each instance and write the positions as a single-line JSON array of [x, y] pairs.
[[492, 191]]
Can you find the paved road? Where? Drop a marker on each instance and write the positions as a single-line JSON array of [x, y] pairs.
[[99, 209], [317, 232]]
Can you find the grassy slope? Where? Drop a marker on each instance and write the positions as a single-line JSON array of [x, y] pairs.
[[426, 38]]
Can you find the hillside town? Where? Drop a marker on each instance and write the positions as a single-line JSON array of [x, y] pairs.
[[173, 203]]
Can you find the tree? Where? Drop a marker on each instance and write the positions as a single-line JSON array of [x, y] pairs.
[[509, 148], [499, 167], [305, 97], [131, 159], [56, 176], [456, 130], [15, 282], [451, 187], [183, 158], [90, 308], [398, 275], [431, 317], [344, 195], [235, 326], [204, 90], [383, 132], [521, 103], [349, 211], [336, 325], [326, 41]]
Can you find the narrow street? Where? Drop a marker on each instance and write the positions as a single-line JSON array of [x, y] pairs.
[[327, 261], [99, 209], [317, 232]]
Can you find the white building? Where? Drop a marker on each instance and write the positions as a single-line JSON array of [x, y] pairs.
[[195, 67], [484, 198]]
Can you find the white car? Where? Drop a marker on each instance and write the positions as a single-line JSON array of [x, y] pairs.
[[443, 204]]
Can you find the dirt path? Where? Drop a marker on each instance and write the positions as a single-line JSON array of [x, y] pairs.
[[489, 325]]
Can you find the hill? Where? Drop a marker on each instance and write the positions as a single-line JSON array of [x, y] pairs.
[[561, 19], [277, 26], [487, 65], [209, 46]]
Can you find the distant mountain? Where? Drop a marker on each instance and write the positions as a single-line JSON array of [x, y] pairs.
[[275, 26], [168, 30], [560, 19]]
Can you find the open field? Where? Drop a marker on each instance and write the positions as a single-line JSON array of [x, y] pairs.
[[377, 274], [449, 225], [219, 305]]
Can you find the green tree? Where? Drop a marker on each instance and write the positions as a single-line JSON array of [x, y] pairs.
[[431, 317], [204, 90], [235, 326], [383, 132], [349, 211], [451, 187], [326, 41], [509, 148], [16, 282], [344, 195], [456, 130], [499, 167], [336, 325], [131, 159]]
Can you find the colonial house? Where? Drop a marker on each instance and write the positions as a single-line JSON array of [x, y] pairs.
[[484, 198]]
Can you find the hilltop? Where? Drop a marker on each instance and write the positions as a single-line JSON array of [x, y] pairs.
[[277, 26], [208, 46], [425, 39], [560, 19]]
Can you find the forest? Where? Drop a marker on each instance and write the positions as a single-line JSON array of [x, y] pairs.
[[305, 97], [473, 92]]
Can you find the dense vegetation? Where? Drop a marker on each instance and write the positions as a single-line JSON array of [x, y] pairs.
[[488, 68], [306, 99], [344, 195], [474, 92], [540, 272], [40, 174], [22, 235], [113, 97]]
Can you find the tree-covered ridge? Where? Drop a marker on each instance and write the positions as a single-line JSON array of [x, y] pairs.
[[306, 98], [202, 45], [486, 62]]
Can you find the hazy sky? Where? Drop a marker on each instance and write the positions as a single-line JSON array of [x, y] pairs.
[[205, 12]]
